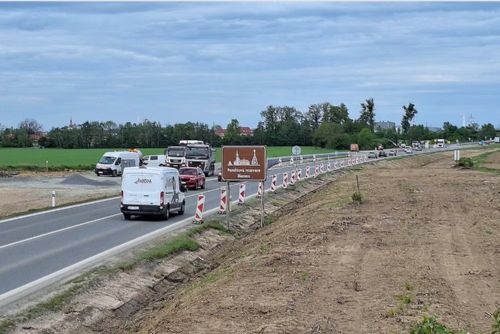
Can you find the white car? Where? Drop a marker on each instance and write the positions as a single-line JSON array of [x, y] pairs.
[[154, 160], [152, 191]]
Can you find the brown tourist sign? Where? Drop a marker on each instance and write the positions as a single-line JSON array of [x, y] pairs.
[[244, 163]]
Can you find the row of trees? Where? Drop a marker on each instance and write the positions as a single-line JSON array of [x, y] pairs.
[[324, 125]]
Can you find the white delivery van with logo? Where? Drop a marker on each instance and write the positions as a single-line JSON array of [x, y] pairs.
[[114, 163], [152, 191]]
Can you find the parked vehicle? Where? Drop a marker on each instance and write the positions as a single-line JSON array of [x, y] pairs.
[[193, 177], [496, 140], [382, 153], [114, 163], [372, 155], [392, 153], [408, 150], [152, 191], [154, 160], [440, 143]]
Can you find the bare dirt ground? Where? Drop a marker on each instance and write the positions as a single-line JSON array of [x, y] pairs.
[[426, 240], [32, 191]]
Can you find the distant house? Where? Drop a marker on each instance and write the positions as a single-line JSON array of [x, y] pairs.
[[385, 125], [244, 131]]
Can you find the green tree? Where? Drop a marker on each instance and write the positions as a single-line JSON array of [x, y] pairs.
[[487, 131], [409, 114], [367, 115]]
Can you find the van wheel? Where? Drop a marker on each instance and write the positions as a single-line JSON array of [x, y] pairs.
[[183, 208], [166, 215], [114, 173], [127, 216]]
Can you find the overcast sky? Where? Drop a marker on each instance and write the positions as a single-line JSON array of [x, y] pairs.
[[210, 62]]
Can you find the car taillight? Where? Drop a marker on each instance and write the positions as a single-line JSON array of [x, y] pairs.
[[162, 198]]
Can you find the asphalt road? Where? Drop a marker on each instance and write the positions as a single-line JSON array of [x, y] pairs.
[[40, 246]]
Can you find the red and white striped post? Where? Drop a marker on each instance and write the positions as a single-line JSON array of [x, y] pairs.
[[342, 164], [273, 182], [322, 168], [260, 189], [308, 171], [292, 177], [285, 180], [223, 201], [241, 196], [200, 205], [299, 174], [316, 170], [328, 166]]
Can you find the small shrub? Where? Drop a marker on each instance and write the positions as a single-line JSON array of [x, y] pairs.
[[495, 328], [465, 163], [429, 325], [357, 197]]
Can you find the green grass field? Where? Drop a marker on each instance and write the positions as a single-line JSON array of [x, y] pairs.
[[34, 158]]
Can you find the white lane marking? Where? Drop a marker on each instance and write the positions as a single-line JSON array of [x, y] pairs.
[[57, 231], [13, 295], [58, 209]]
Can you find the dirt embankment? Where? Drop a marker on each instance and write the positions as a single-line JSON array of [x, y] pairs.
[[425, 241]]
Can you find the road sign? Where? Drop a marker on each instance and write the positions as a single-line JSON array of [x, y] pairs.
[[244, 163], [296, 150]]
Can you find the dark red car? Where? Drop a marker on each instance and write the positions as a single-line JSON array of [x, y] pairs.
[[193, 177]]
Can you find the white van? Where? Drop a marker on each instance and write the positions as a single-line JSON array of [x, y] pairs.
[[154, 160], [113, 163], [152, 191]]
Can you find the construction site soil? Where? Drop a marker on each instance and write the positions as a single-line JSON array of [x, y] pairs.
[[425, 230], [424, 241]]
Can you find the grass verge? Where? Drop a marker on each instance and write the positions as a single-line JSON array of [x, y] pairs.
[[179, 243], [479, 161]]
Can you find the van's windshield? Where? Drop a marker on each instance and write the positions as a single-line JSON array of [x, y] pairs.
[[107, 160], [176, 151]]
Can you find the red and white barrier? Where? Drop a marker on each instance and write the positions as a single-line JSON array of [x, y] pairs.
[[299, 174], [308, 171], [285, 180], [342, 165], [292, 177], [274, 178], [316, 170], [328, 166], [241, 196], [200, 205], [260, 189], [223, 201], [322, 168]]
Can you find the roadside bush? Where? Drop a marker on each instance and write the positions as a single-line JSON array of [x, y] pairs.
[[465, 163], [357, 197], [429, 325]]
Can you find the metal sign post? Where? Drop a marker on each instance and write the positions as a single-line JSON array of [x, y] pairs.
[[262, 213], [228, 209]]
